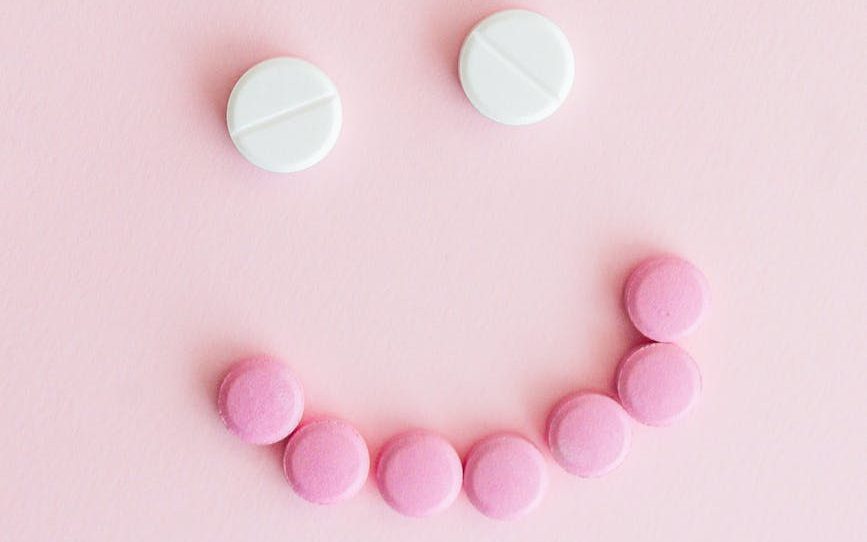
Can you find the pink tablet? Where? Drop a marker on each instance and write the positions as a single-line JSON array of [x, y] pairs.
[[666, 298], [658, 383], [505, 476], [261, 401], [589, 434], [419, 473], [326, 461]]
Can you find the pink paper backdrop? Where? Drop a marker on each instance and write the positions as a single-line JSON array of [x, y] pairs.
[[436, 269]]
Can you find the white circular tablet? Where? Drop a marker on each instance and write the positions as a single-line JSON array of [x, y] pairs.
[[516, 67], [284, 115]]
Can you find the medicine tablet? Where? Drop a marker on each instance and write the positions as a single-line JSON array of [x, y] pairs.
[[284, 115], [326, 461], [589, 434], [261, 401], [505, 476], [658, 383], [666, 298], [516, 67], [419, 473]]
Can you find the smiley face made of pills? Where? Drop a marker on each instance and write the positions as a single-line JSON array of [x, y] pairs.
[[516, 68]]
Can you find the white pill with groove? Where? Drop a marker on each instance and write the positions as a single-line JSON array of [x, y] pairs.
[[284, 115], [516, 67]]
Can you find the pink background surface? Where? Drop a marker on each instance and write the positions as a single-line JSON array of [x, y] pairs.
[[436, 269]]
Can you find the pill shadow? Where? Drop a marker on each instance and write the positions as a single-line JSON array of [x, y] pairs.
[[616, 263], [211, 363], [446, 32], [213, 360], [218, 65], [593, 367], [596, 370]]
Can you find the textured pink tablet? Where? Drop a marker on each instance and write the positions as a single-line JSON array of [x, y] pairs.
[[658, 383], [666, 298], [589, 434], [261, 401], [326, 461], [419, 473], [505, 476]]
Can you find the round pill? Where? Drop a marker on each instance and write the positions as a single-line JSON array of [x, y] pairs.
[[589, 434], [419, 473], [666, 298], [261, 401], [284, 115], [516, 67], [326, 461], [658, 383], [505, 476]]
